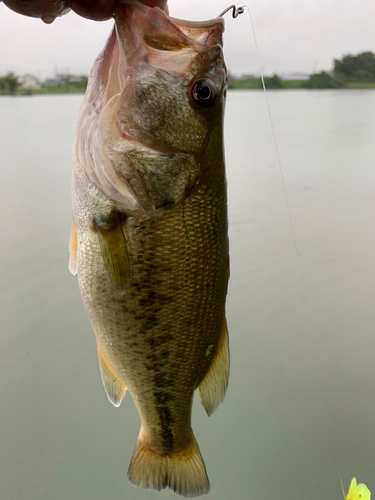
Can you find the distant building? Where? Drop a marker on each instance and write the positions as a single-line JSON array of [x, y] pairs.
[[235, 78], [248, 77], [50, 82], [29, 82], [75, 79], [61, 79], [295, 76], [67, 78]]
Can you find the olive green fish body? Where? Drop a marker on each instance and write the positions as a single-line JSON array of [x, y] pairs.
[[150, 231]]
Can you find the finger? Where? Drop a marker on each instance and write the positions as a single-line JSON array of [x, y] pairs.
[[100, 10], [48, 10], [96, 10]]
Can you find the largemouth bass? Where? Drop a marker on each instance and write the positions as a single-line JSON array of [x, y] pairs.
[[149, 237]]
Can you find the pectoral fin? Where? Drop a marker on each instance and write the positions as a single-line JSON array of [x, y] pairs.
[[114, 387], [214, 384], [73, 244], [115, 253]]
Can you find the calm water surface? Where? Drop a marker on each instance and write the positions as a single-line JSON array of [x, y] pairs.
[[302, 387]]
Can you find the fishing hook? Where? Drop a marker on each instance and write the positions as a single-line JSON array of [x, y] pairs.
[[235, 13]]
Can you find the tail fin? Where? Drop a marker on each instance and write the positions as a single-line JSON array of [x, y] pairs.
[[183, 471]]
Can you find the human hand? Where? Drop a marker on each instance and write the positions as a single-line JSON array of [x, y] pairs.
[[48, 10]]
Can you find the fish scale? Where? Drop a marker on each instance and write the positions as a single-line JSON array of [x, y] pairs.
[[167, 254]]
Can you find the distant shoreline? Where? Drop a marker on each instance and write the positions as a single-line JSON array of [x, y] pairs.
[[58, 89], [256, 84], [253, 84], [350, 72]]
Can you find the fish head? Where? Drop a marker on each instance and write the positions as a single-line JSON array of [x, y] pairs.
[[174, 79], [158, 90]]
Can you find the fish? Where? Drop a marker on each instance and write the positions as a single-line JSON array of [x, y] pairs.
[[149, 238], [358, 491]]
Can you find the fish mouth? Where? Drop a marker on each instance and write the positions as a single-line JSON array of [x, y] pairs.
[[149, 34]]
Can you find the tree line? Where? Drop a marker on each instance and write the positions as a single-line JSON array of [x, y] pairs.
[[9, 83], [350, 71]]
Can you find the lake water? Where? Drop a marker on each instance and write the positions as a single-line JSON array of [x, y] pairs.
[[301, 399]]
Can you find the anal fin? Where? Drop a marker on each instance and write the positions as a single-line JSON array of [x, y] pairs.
[[73, 245], [114, 249], [113, 385], [214, 384]]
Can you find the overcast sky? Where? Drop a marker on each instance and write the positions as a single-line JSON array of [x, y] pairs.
[[293, 36]]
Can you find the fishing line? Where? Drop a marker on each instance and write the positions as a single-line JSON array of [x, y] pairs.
[[280, 167], [293, 232]]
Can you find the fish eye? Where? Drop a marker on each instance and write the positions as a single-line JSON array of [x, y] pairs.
[[204, 93]]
